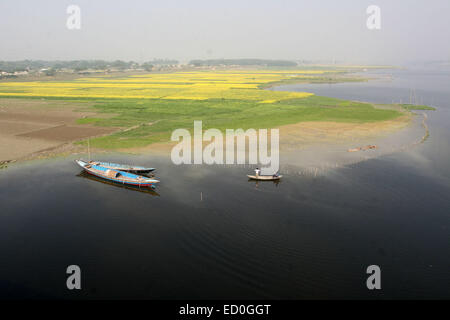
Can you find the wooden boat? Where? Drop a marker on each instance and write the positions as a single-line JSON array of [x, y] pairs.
[[150, 191], [117, 176], [122, 167], [265, 178]]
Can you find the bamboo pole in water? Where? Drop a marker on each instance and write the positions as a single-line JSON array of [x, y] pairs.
[[89, 151]]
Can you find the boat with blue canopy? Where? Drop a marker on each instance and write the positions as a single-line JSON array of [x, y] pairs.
[[122, 167], [117, 176]]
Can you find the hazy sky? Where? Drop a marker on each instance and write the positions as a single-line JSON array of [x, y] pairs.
[[143, 30]]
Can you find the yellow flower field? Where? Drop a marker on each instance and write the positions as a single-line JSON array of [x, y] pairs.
[[194, 85]]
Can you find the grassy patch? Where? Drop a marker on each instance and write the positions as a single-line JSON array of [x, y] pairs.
[[153, 120], [317, 80], [417, 107]]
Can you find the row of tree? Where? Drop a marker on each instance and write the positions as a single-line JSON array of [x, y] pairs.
[[80, 65]]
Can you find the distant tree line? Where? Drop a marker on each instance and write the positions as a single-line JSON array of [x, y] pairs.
[[51, 67], [79, 65], [243, 62], [163, 62]]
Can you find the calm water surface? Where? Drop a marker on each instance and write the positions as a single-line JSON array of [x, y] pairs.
[[210, 233]]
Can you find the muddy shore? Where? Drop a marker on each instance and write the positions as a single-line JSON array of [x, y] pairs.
[[35, 128]]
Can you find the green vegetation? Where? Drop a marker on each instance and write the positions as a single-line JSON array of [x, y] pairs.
[[417, 107], [153, 120], [331, 78]]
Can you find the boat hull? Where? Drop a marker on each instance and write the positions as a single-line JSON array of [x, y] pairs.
[[116, 176], [264, 178], [151, 191], [142, 185]]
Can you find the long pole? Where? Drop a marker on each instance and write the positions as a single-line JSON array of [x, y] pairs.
[[89, 150]]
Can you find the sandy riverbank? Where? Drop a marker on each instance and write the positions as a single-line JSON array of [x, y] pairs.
[[313, 146], [305, 134]]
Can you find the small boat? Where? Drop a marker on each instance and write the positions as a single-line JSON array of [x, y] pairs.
[[122, 167], [265, 178], [150, 191], [117, 176]]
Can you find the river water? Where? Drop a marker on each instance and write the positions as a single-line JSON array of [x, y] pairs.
[[207, 232]]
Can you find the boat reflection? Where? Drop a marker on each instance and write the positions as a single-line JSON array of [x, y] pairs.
[[84, 174], [257, 182]]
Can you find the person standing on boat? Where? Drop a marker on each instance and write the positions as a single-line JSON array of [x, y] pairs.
[[257, 172]]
